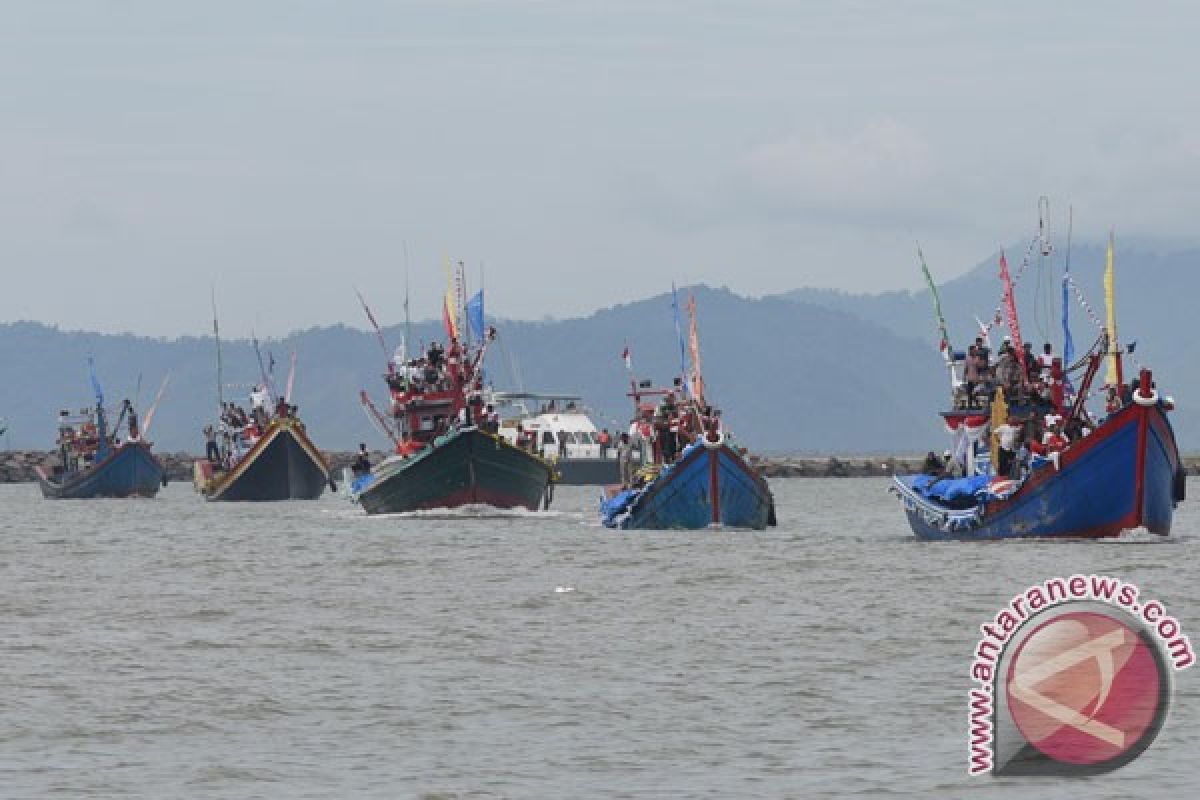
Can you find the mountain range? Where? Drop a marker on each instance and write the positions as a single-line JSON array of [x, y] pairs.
[[809, 371]]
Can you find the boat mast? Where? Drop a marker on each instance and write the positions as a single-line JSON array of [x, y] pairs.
[[217, 339], [1068, 348], [101, 421], [407, 320]]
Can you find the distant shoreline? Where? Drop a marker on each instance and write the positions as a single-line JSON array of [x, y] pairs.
[[17, 466]]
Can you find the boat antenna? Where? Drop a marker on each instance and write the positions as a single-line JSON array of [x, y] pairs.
[[217, 339], [407, 318]]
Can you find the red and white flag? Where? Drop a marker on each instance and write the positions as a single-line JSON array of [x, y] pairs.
[[627, 358]]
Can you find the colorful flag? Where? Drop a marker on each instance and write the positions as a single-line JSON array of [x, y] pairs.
[[475, 316], [1113, 375], [96, 383], [291, 381], [697, 382], [450, 302], [448, 316], [1010, 309], [944, 345]]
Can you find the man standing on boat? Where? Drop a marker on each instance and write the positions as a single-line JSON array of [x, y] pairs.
[[1006, 438], [132, 421], [625, 460], [211, 452], [362, 462]]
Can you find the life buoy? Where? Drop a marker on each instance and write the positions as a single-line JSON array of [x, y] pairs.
[[1152, 400], [711, 445]]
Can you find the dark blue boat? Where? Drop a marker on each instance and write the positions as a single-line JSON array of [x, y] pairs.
[[94, 462], [692, 477], [125, 470], [1125, 475], [711, 485], [283, 464], [1081, 476]]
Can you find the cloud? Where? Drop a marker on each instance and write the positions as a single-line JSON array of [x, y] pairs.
[[864, 171]]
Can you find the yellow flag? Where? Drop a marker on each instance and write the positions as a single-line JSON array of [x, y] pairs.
[[450, 303], [999, 417], [1111, 377]]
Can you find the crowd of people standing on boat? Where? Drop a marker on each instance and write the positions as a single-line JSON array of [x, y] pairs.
[[79, 438], [1038, 425], [440, 369], [238, 430], [1024, 376]]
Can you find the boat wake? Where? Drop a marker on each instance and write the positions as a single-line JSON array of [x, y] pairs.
[[468, 512]]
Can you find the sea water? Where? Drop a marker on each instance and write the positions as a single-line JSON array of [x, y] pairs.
[[176, 648]]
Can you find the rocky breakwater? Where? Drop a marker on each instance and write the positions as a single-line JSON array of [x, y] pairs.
[[17, 466], [835, 466]]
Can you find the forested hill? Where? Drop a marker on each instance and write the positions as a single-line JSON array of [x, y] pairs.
[[792, 376], [809, 371]]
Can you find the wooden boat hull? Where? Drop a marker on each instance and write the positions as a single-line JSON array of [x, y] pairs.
[[282, 465], [1127, 474], [710, 486], [466, 467], [129, 470]]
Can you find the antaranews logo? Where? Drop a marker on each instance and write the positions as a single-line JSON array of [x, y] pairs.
[[1074, 678]]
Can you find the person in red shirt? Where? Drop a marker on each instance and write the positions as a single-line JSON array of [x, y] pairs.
[[1052, 443]]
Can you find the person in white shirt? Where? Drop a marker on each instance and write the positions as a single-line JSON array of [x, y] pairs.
[[1046, 362], [1006, 437]]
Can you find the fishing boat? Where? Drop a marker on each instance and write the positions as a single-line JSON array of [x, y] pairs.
[[1104, 475], [264, 455], [560, 428], [448, 451], [281, 463], [94, 461], [694, 476]]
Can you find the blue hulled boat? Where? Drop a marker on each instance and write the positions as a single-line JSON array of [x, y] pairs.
[[1124, 475], [95, 462], [710, 485], [1053, 470], [692, 477], [125, 470]]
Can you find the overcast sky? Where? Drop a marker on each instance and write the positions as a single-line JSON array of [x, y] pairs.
[[585, 153]]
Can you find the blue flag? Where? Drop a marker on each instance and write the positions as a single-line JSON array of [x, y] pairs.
[[475, 316], [95, 383]]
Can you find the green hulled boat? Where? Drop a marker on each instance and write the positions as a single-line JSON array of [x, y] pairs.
[[466, 466], [448, 451]]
